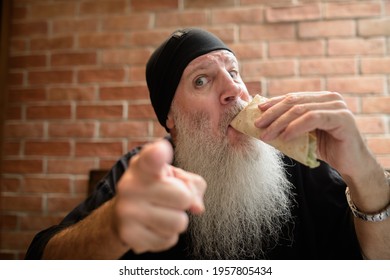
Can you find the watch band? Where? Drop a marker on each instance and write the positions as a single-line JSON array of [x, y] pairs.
[[375, 217]]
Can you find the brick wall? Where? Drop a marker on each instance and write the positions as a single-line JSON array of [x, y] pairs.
[[77, 98]]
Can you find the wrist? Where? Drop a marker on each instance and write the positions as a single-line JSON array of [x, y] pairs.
[[369, 213]]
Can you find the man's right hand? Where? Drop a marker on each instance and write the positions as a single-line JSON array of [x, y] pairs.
[[152, 199]]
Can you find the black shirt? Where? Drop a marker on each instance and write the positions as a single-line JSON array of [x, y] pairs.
[[322, 226]]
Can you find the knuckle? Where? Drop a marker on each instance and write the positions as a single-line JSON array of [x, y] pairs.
[[299, 109], [335, 95], [200, 181], [181, 223], [185, 199], [340, 104], [291, 98]]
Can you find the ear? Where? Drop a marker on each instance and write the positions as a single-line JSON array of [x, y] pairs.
[[170, 122]]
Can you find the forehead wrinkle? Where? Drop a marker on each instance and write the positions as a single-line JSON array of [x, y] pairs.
[[206, 61]]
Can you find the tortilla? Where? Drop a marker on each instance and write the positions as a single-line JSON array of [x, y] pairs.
[[302, 148]]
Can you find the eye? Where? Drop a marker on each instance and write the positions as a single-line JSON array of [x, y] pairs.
[[233, 74], [200, 81]]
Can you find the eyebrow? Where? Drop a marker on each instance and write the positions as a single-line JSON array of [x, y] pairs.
[[207, 63], [201, 66]]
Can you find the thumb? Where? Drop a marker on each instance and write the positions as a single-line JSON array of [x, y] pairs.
[[153, 160]]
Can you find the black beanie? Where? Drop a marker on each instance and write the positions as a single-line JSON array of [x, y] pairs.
[[167, 63]]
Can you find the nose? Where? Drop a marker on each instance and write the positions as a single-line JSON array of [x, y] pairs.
[[230, 90]]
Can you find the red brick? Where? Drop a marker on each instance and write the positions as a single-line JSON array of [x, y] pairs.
[[12, 148], [189, 4], [107, 164], [21, 166], [254, 87], [245, 51], [374, 27], [9, 222], [130, 56], [283, 86], [124, 129], [13, 112], [50, 77], [267, 32], [16, 79], [104, 40], [352, 9], [328, 66], [72, 93], [63, 204], [105, 111], [69, 26], [16, 240], [274, 68], [134, 21], [26, 95], [102, 7], [55, 43], [37, 223], [371, 124], [296, 48], [158, 130], [376, 105], [377, 65], [149, 37], [137, 74], [267, 2], [353, 103], [185, 18], [48, 112], [356, 46], [29, 28], [100, 75], [80, 186], [18, 12], [98, 149], [74, 130], [17, 45], [226, 33], [46, 184], [10, 184], [59, 9], [384, 160], [73, 59], [19, 130], [70, 166], [124, 93], [335, 28], [21, 203], [379, 145], [151, 5], [27, 61], [141, 111], [47, 148], [294, 13], [237, 15], [357, 85]]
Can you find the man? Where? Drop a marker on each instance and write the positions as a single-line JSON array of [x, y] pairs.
[[258, 203]]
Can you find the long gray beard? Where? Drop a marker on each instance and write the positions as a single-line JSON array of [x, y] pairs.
[[248, 196]]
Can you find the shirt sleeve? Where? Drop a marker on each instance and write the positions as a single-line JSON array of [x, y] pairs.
[[103, 192]]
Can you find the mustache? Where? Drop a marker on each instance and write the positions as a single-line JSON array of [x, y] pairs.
[[232, 112]]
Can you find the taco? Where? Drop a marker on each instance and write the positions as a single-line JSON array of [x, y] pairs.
[[302, 148]]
